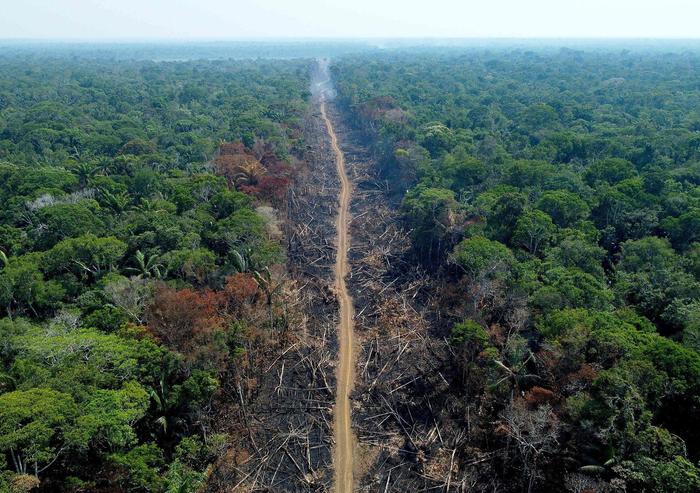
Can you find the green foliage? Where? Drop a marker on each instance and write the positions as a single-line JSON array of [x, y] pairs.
[[678, 476], [23, 287], [564, 207], [192, 264], [68, 221], [610, 170], [533, 230], [575, 174], [481, 257], [34, 425], [469, 334], [108, 415], [139, 468], [432, 215], [574, 250], [78, 360], [503, 215], [464, 172], [107, 194], [436, 138], [86, 256], [227, 202], [571, 288], [651, 276]]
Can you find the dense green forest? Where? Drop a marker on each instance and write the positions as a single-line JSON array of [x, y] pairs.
[[552, 200], [138, 213], [557, 194]]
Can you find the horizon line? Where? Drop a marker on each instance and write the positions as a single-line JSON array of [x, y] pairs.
[[133, 39]]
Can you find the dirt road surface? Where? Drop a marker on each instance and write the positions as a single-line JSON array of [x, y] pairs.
[[344, 438]]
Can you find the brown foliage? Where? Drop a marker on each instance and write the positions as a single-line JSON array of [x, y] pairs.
[[239, 169], [582, 378], [185, 319], [239, 291], [22, 483], [258, 172], [375, 108], [537, 396], [273, 189], [231, 148]]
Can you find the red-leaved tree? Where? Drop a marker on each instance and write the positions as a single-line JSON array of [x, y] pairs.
[[184, 319]]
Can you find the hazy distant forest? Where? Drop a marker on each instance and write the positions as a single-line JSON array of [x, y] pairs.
[[552, 202]]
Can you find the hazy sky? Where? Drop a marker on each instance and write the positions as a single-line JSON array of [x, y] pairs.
[[214, 19]]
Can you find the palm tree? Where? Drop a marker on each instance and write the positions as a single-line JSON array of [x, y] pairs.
[[150, 205], [3, 259], [84, 171], [118, 201], [270, 287], [148, 267], [164, 398], [248, 172], [104, 165], [240, 263]]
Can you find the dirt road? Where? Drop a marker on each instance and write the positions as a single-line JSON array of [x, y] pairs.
[[344, 438]]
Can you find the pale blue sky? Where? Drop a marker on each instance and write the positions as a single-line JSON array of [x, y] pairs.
[[217, 19]]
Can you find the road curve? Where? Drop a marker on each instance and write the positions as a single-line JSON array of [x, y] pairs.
[[344, 437]]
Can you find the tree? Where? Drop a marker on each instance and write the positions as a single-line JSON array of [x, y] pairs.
[[23, 287], [470, 340], [147, 266], [564, 207], [577, 251], [610, 170], [243, 230], [465, 172], [676, 476], [481, 257], [270, 286], [539, 116], [85, 256], [226, 202], [68, 221], [191, 264], [685, 229], [504, 214], [239, 168], [650, 276], [535, 433], [488, 265], [432, 215], [187, 321], [84, 170], [138, 468], [571, 288], [117, 201], [34, 425], [530, 174], [533, 230], [77, 361], [132, 296], [436, 138], [188, 472], [108, 417]]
